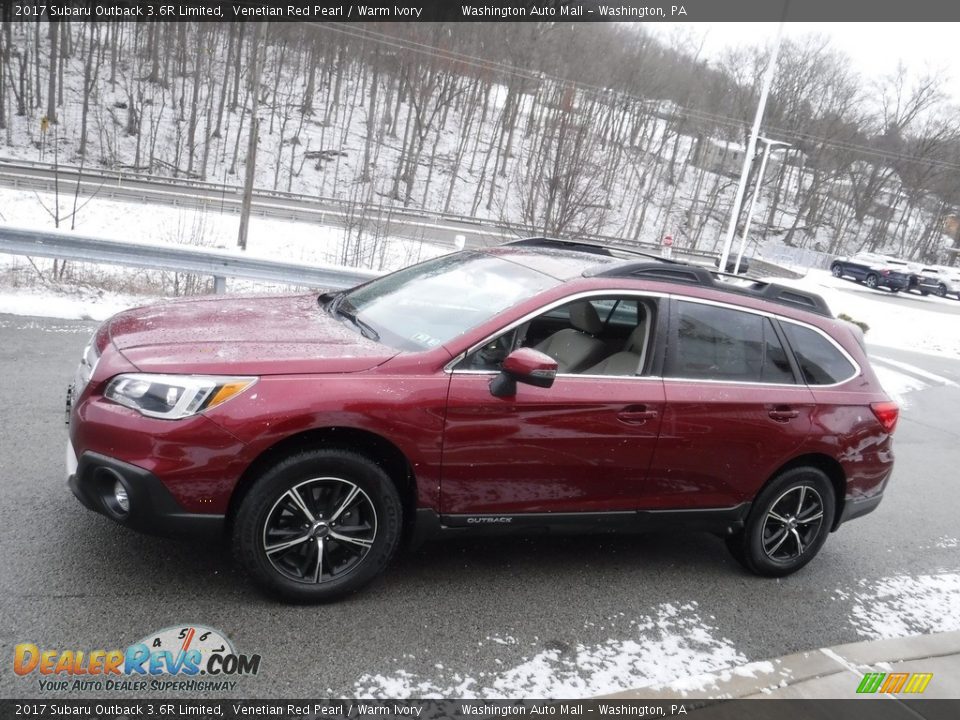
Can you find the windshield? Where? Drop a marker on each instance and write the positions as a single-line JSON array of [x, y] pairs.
[[429, 304]]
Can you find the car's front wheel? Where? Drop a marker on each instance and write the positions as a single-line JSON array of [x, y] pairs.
[[788, 523], [873, 281], [318, 525]]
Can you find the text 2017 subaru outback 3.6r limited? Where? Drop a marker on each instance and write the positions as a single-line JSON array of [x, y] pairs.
[[539, 384]]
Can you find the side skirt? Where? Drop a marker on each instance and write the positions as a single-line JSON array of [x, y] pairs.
[[724, 521]]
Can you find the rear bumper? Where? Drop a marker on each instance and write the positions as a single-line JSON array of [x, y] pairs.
[[153, 509], [895, 282], [854, 508]]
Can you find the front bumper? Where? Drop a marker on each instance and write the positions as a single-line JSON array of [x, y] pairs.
[[152, 510]]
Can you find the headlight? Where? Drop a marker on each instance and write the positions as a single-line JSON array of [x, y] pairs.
[[172, 397]]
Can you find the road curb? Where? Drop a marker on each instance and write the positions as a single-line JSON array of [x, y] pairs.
[[832, 672]]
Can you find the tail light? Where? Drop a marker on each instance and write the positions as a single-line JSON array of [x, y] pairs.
[[887, 413]]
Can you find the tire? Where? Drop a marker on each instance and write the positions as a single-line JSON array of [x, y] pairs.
[[872, 281], [924, 293], [837, 270], [941, 290], [304, 503], [762, 548]]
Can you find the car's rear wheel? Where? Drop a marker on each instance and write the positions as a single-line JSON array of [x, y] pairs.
[[941, 290], [872, 281], [837, 270], [788, 523], [318, 525]]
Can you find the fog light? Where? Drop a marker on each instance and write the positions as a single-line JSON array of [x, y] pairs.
[[120, 497]]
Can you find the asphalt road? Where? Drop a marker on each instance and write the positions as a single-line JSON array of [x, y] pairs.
[[70, 579]]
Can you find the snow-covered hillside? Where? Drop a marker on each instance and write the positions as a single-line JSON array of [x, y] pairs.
[[373, 120]]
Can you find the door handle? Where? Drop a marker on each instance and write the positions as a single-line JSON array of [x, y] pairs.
[[636, 414], [783, 413]]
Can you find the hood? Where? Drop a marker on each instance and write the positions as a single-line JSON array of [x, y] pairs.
[[243, 335]]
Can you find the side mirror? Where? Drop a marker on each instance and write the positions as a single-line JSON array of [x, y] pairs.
[[525, 365]]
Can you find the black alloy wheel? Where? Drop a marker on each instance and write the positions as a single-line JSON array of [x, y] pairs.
[[792, 523], [319, 530], [788, 523], [318, 525]]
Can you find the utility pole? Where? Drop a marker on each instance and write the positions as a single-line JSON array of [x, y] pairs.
[[756, 192], [752, 144], [251, 162]]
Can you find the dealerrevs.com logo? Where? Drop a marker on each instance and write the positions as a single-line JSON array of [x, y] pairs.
[[179, 658]]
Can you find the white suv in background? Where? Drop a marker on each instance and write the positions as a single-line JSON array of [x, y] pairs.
[[939, 280]]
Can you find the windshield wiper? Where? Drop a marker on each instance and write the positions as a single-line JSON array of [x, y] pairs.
[[337, 307]]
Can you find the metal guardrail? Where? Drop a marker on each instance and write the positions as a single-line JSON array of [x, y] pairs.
[[219, 265]]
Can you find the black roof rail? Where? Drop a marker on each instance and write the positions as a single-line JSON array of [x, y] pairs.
[[705, 277], [664, 269], [586, 247]]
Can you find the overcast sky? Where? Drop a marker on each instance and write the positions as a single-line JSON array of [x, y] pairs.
[[875, 48]]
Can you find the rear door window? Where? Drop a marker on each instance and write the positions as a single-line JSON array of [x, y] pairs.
[[717, 343], [821, 362]]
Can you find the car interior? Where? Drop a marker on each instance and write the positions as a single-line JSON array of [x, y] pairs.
[[599, 336]]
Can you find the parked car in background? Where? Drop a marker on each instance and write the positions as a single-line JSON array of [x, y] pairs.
[[539, 385], [939, 280], [876, 271]]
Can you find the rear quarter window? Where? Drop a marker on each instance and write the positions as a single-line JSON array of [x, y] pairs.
[[821, 362]]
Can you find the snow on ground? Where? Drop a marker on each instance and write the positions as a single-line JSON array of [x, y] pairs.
[[897, 384], [944, 542], [77, 305], [774, 673], [673, 642], [902, 605]]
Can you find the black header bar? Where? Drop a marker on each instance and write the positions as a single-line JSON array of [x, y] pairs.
[[858, 11]]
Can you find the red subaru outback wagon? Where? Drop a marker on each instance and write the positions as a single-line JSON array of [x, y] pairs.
[[538, 384]]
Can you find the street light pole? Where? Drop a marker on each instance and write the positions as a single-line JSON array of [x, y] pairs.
[[756, 192], [752, 144]]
